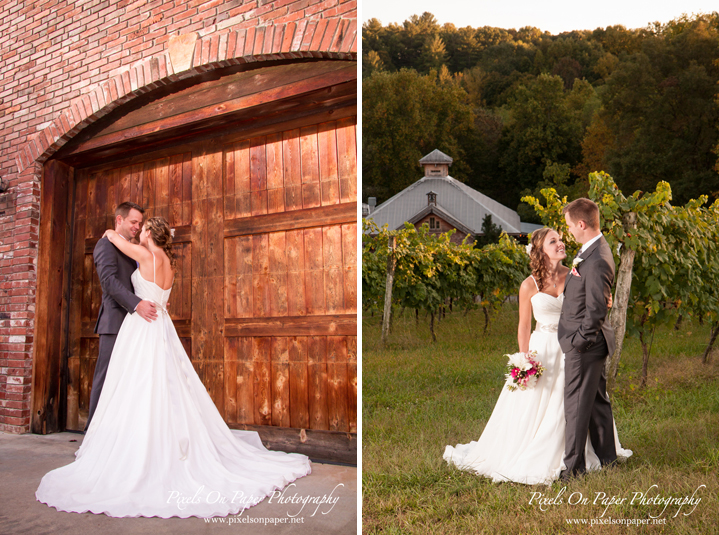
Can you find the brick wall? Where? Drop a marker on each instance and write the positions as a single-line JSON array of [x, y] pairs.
[[65, 64]]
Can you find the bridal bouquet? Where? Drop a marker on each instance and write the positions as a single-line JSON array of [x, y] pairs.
[[523, 370]]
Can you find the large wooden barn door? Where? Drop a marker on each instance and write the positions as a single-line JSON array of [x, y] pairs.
[[265, 295]]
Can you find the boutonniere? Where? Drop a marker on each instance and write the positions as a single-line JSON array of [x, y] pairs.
[[577, 261]]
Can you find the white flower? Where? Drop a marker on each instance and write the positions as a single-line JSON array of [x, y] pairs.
[[531, 381], [172, 232], [516, 360], [529, 248], [577, 261]]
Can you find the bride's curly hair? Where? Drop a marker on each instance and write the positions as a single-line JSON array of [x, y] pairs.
[[160, 233], [536, 256]]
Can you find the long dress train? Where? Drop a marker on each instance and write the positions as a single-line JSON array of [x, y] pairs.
[[523, 440], [157, 446]]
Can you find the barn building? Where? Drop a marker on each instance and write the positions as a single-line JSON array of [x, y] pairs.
[[237, 122], [444, 204]]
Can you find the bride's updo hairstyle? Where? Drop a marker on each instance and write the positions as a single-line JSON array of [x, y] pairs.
[[159, 230], [536, 256]]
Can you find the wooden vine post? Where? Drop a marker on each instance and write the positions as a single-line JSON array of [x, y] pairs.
[[388, 289], [618, 315]]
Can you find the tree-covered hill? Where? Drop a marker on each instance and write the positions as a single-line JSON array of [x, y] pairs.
[[521, 109]]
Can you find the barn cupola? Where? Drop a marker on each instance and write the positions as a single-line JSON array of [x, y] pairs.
[[436, 164], [431, 198]]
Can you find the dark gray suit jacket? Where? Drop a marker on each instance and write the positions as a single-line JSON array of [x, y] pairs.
[[584, 311], [118, 298]]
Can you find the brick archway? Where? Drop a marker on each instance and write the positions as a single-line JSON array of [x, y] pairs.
[[189, 55]]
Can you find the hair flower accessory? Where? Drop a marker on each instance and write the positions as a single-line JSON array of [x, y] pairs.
[[529, 248], [172, 232]]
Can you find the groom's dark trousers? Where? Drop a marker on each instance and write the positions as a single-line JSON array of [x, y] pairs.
[[114, 270], [587, 340]]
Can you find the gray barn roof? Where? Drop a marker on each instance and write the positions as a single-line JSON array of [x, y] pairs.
[[436, 156], [459, 200]]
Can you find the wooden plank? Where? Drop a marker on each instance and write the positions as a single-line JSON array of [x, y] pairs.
[[333, 272], [124, 190], [245, 381], [260, 275], [292, 162], [349, 264], [87, 278], [335, 324], [275, 174], [200, 321], [317, 378], [279, 365], [295, 244], [352, 383], [309, 167], [299, 400], [244, 265], [231, 278], [347, 162], [229, 183], [137, 184], [91, 204], [73, 394], [224, 89], [258, 177], [312, 109], [230, 411], [76, 296], [100, 220], [262, 388], [329, 178], [318, 445], [187, 281], [111, 203], [175, 179], [231, 104], [277, 274], [187, 188], [243, 190], [303, 219], [85, 380], [148, 188], [314, 272], [337, 383], [162, 189], [50, 299]]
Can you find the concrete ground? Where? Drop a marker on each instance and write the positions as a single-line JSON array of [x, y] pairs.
[[24, 459]]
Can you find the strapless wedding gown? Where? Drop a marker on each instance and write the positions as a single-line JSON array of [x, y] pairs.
[[157, 446], [523, 440]]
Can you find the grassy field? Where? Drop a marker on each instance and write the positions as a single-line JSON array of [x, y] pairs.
[[418, 397]]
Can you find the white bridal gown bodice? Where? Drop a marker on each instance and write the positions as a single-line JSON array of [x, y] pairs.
[[523, 440], [157, 446]]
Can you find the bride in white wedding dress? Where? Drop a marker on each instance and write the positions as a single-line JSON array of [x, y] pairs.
[[157, 446], [523, 440]]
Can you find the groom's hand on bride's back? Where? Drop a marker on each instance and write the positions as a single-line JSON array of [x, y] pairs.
[[147, 311]]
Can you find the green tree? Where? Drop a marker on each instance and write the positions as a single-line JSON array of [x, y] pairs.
[[659, 107], [405, 116], [490, 233], [546, 126]]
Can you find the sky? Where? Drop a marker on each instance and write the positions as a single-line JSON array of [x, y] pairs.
[[554, 16]]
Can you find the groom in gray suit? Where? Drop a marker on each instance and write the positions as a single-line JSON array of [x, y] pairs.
[[114, 270], [587, 340]]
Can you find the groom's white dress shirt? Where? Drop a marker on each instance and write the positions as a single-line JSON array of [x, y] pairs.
[[590, 242]]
